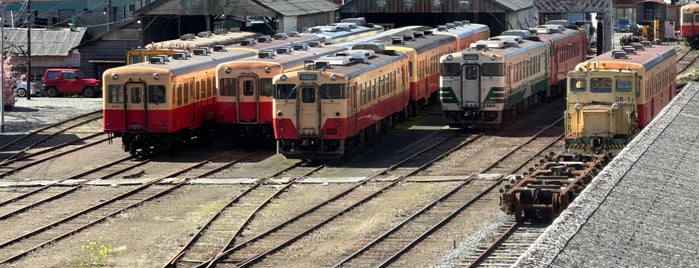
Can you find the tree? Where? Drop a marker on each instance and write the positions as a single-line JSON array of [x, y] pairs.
[[8, 94]]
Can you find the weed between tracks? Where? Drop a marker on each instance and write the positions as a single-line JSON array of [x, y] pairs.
[[94, 254]]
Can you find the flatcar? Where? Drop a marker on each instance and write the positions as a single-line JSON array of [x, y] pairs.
[[689, 24], [614, 95], [328, 108], [244, 98], [187, 81], [504, 75]]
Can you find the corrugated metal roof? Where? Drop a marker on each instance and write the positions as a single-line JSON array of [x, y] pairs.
[[45, 42], [299, 7], [515, 5]]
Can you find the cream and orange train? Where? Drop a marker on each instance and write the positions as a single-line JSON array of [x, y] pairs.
[[330, 107], [134, 110], [244, 100], [614, 95]]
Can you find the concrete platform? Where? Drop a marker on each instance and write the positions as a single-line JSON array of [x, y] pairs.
[[641, 211]]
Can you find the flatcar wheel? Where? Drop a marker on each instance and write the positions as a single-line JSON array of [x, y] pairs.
[[518, 209]]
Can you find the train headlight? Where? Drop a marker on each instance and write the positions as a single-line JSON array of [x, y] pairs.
[[615, 106], [283, 77], [268, 70], [577, 107], [228, 70], [493, 57], [115, 76], [450, 57], [333, 77], [156, 76], [279, 114]]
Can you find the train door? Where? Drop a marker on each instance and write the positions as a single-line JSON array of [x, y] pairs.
[[135, 107], [248, 99], [309, 111], [470, 86]]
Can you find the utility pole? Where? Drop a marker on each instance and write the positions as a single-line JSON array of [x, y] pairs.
[[29, 49]]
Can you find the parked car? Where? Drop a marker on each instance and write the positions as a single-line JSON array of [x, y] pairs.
[[623, 25], [61, 81], [20, 89]]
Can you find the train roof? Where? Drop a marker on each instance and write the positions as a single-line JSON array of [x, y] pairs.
[[461, 29], [555, 35], [342, 29], [634, 57], [374, 37], [289, 56], [273, 42], [420, 38], [184, 62], [689, 8], [352, 63], [202, 39], [505, 46]]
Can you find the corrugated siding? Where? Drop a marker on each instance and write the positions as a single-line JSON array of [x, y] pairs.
[[45, 42], [572, 5], [299, 7], [435, 6]]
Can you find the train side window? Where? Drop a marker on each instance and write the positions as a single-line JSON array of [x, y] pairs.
[[471, 72], [156, 94], [115, 94], [332, 91], [179, 95], [601, 85], [266, 88], [248, 88], [185, 101], [308, 95], [623, 85], [227, 86], [577, 85], [135, 94], [493, 69]]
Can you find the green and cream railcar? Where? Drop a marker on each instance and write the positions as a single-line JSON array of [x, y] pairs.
[[492, 79]]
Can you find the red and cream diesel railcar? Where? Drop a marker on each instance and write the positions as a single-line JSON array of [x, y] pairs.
[[568, 48], [188, 83], [689, 24], [327, 109], [614, 95], [156, 106], [244, 99]]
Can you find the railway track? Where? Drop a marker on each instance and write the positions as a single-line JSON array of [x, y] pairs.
[[513, 239], [411, 233], [19, 246], [217, 235], [43, 135], [687, 59], [261, 246], [277, 237], [51, 142]]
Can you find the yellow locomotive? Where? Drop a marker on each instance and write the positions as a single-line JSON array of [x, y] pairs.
[[614, 95]]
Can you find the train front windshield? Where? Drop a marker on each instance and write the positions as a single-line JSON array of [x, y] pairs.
[[620, 84]]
